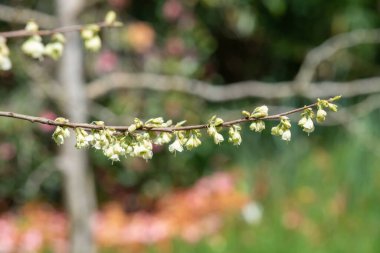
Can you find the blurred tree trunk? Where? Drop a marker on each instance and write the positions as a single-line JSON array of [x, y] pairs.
[[78, 179]]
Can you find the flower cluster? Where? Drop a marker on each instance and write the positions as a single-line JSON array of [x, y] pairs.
[[54, 48], [35, 48], [306, 122], [214, 126], [234, 135], [90, 36], [283, 129], [5, 62], [139, 137], [61, 132]]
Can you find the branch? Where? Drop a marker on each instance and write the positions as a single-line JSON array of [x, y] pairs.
[[21, 15], [328, 48], [86, 126], [300, 86], [64, 29], [219, 93]]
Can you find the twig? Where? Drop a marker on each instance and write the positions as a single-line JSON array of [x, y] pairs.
[[328, 48], [22, 15], [86, 126], [64, 29], [219, 93]]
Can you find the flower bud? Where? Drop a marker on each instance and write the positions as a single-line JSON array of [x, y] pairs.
[[260, 112], [321, 115], [234, 135], [5, 63], [110, 18], [332, 107], [33, 47], [93, 44], [31, 26], [218, 122], [276, 131], [54, 50]]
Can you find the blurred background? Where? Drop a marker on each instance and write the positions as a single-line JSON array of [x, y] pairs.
[[318, 193]]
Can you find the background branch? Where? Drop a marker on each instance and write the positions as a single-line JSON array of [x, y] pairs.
[[220, 93], [22, 16], [328, 48], [64, 29]]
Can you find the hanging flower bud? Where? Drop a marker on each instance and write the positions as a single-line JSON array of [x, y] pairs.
[[321, 115], [31, 26], [54, 49], [33, 47], [286, 135], [234, 135], [5, 62], [94, 44], [257, 126], [176, 146]]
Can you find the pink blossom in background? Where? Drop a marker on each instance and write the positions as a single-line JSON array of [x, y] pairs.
[[8, 232], [31, 241], [49, 115], [190, 214], [172, 10], [107, 61]]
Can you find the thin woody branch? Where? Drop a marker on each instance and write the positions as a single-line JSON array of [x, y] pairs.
[[64, 29], [87, 126]]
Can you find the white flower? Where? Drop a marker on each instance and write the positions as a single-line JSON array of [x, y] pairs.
[[117, 148], [176, 146], [143, 152], [54, 50], [321, 115], [192, 142], [308, 127], [5, 63], [286, 135], [66, 132], [257, 126], [302, 121], [33, 47], [234, 134], [93, 44], [276, 131], [100, 141], [218, 138], [31, 26], [82, 140], [162, 138], [60, 134]]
